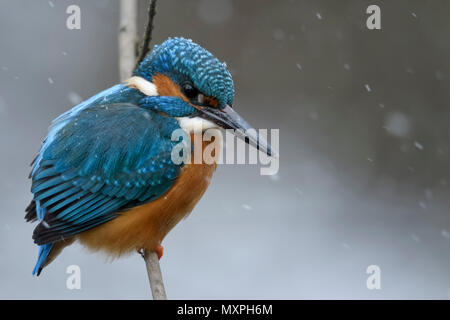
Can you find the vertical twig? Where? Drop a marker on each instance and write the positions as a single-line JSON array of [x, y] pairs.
[[127, 61], [145, 46], [127, 37]]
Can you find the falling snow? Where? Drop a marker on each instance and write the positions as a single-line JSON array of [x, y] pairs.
[[439, 75], [215, 11], [445, 234], [274, 177], [314, 115], [397, 124], [367, 88], [50, 80], [418, 145], [415, 238], [278, 34], [247, 207], [74, 98]]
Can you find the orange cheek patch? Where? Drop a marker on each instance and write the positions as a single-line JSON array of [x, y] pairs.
[[210, 101], [166, 87]]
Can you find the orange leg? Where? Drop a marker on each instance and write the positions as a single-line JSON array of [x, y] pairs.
[[159, 251]]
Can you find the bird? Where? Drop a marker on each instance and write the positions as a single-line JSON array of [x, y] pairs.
[[104, 175]]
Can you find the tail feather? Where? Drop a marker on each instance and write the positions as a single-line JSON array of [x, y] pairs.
[[44, 250]]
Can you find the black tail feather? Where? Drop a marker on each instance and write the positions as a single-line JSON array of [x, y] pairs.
[[31, 212]]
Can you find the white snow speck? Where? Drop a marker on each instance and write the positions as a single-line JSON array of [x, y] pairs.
[[422, 204], [346, 66], [439, 75], [397, 124], [74, 98], [50, 80], [51, 4], [5, 68], [278, 34], [147, 115], [319, 16], [274, 177], [314, 115], [445, 234], [247, 207], [299, 66], [418, 145], [346, 246], [414, 15], [64, 53], [370, 159], [215, 11], [415, 238], [409, 70], [367, 88]]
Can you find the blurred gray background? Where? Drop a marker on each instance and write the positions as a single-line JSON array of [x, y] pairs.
[[364, 156]]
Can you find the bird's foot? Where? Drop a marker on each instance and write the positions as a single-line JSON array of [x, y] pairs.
[[159, 251]]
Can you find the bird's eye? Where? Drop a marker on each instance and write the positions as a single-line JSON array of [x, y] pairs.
[[189, 91]]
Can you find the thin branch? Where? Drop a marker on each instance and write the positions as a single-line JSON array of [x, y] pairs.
[[127, 58], [145, 46], [154, 275], [127, 37]]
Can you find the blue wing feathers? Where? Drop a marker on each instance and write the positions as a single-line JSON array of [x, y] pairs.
[[98, 158], [101, 160]]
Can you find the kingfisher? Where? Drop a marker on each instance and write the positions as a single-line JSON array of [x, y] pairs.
[[104, 175]]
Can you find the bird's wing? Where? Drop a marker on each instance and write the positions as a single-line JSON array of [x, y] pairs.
[[98, 162]]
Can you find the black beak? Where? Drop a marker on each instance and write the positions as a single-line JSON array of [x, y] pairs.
[[227, 118]]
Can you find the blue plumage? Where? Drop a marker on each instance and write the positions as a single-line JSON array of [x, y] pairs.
[[104, 155], [113, 151], [183, 60]]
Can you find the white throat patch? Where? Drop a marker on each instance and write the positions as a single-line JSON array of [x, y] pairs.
[[196, 124]]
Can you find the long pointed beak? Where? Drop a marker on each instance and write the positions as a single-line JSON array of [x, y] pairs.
[[227, 118]]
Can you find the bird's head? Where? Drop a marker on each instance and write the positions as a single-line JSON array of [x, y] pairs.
[[183, 80]]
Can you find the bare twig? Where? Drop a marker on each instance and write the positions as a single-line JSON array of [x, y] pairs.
[[154, 275], [127, 37], [145, 46], [127, 58]]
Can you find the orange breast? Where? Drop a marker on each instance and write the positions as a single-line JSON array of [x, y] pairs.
[[147, 225]]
